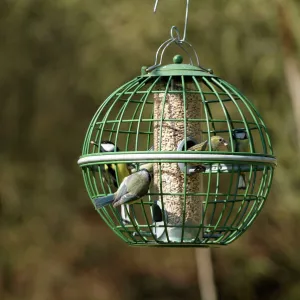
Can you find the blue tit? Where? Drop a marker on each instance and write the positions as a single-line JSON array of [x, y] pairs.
[[241, 144], [156, 210], [133, 188], [113, 171]]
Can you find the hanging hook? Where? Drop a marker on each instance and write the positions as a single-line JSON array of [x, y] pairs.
[[176, 39], [185, 21], [155, 6]]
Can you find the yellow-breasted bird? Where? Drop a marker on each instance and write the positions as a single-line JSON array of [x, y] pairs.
[[110, 171], [241, 144], [217, 144], [113, 171]]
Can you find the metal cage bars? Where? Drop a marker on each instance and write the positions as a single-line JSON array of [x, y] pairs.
[[126, 96], [227, 218], [229, 214]]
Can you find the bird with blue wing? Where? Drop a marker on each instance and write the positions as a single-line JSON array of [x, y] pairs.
[[132, 189]]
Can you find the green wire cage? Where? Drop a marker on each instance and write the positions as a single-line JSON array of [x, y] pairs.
[[157, 117]]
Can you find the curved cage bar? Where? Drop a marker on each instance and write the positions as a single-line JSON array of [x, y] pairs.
[[148, 118]]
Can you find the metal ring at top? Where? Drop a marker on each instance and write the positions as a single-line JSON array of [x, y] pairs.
[[176, 30]]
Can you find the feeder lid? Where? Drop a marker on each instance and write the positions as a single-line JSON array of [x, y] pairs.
[[177, 69]]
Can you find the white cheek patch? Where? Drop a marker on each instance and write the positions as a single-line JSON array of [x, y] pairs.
[[241, 135], [108, 147]]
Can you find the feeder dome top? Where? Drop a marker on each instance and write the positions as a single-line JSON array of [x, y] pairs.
[[178, 69]]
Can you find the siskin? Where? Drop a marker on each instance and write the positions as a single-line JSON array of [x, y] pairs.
[[217, 144]]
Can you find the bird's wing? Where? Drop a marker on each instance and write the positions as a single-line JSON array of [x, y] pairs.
[[199, 147], [112, 174], [126, 199], [122, 190], [204, 146], [242, 182], [133, 188], [138, 184]]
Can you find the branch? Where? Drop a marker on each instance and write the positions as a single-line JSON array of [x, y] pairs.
[[290, 62], [205, 274]]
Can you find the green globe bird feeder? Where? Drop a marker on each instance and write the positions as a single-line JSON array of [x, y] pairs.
[[196, 198]]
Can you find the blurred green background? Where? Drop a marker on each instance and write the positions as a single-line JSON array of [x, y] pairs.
[[58, 61]]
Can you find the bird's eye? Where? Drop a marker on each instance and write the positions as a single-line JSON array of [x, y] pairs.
[[220, 140]]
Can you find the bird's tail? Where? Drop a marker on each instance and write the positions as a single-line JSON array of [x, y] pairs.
[[103, 201], [242, 182]]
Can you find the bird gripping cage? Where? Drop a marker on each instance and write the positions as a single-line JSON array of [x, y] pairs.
[[196, 198]]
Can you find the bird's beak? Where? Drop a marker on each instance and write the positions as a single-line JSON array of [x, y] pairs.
[[225, 144]]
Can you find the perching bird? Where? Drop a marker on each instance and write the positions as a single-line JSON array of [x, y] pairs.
[[110, 171], [241, 144], [133, 188], [217, 144]]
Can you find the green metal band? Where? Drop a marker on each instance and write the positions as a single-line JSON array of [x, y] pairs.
[[176, 69]]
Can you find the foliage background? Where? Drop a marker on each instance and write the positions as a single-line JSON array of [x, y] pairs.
[[59, 60]]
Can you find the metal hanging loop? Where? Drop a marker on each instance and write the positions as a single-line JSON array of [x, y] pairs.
[[155, 6], [185, 21], [180, 42]]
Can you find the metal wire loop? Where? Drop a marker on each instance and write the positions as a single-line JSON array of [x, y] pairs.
[[180, 42], [155, 6], [176, 30], [185, 21]]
